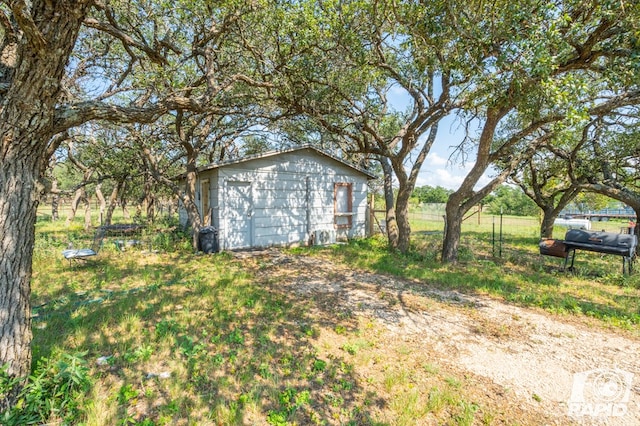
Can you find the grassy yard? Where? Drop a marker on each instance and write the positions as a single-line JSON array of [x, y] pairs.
[[163, 336]]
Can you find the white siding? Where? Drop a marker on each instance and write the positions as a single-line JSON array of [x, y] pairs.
[[215, 198]]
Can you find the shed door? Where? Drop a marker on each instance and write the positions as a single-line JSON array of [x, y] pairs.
[[239, 215]]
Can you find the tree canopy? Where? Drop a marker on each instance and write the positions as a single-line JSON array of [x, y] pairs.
[[429, 194], [511, 201]]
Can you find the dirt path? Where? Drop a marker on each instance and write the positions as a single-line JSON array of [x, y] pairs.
[[532, 355]]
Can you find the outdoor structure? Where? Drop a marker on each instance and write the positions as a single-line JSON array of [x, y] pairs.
[[297, 196]]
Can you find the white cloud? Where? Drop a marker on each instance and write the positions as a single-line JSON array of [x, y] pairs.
[[437, 170], [435, 160], [446, 175], [439, 177]]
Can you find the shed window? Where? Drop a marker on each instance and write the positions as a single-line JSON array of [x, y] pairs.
[[343, 204]]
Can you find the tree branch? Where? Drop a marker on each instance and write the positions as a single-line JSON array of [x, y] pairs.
[[74, 115], [9, 31], [126, 40], [28, 26]]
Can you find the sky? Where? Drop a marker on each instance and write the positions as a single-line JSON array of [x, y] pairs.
[[441, 167]]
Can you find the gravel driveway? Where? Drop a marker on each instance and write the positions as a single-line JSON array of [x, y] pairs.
[[551, 364]]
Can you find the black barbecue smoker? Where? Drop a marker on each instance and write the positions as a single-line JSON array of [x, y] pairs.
[[623, 245]]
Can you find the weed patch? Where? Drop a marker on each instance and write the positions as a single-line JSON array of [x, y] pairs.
[[56, 390]]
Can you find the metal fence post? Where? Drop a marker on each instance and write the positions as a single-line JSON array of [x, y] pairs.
[[493, 235], [500, 251]]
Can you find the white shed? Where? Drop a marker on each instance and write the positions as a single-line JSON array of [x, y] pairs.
[[282, 198]]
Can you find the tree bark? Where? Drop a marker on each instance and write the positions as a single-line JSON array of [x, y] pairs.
[[18, 204], [55, 200], [402, 217], [149, 198], [452, 230], [389, 202], [27, 114], [188, 201], [113, 202], [551, 199], [75, 202], [550, 212], [87, 212], [407, 182], [465, 197], [549, 216], [125, 210], [102, 201]]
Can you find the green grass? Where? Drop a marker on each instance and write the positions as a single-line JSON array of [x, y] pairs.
[[166, 336], [200, 319], [172, 337]]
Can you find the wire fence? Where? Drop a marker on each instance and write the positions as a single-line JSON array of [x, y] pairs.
[[501, 235], [498, 233], [131, 213]]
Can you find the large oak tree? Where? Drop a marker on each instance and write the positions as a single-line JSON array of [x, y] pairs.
[[537, 65], [68, 62], [362, 54]]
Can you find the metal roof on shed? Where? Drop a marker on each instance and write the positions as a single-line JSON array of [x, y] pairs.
[[285, 151]]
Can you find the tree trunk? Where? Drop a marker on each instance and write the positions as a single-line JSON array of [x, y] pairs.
[[452, 232], [550, 203], [402, 217], [149, 199], [125, 211], [196, 224], [18, 204], [151, 208], [55, 200], [187, 197], [462, 200], [113, 202], [87, 212], [138, 213], [123, 201], [75, 202], [102, 201], [548, 218], [32, 71], [188, 201], [390, 211], [81, 196]]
